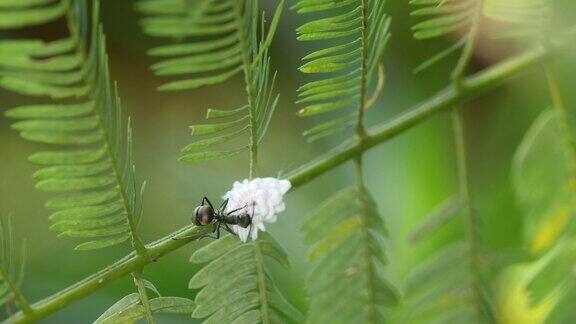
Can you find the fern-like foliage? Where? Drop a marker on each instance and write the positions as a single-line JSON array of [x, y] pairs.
[[92, 168], [221, 42], [349, 69], [438, 18], [235, 287], [12, 265], [347, 283]]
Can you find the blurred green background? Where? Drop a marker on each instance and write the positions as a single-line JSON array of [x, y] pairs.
[[408, 176]]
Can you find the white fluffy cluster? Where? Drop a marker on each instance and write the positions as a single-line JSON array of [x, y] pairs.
[[263, 199]]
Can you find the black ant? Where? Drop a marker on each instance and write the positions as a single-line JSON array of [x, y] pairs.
[[206, 214]]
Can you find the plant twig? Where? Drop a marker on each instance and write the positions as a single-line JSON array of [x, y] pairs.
[[139, 282], [473, 86]]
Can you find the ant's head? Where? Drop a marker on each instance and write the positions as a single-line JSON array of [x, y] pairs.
[[244, 220], [203, 215]]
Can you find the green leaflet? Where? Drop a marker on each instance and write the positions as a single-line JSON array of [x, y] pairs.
[[229, 282], [347, 283], [24, 16], [73, 171], [210, 155], [50, 111], [348, 66], [83, 199], [215, 113], [92, 168]]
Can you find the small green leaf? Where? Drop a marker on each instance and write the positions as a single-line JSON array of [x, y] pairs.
[[119, 306], [88, 212], [210, 155], [199, 82], [73, 171], [213, 128], [50, 111], [215, 113], [28, 17], [75, 184], [100, 244], [69, 157], [83, 199]]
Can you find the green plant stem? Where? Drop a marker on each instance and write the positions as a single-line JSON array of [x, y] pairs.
[[247, 61], [139, 281], [473, 86], [247, 65]]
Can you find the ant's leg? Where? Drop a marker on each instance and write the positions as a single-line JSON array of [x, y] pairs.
[[211, 235], [223, 206], [205, 199], [235, 210], [228, 229], [217, 231]]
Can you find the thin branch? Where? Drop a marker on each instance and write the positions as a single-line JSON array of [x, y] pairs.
[[473, 86], [139, 282], [246, 48]]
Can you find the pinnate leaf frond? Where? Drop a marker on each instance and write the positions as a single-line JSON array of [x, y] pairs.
[[347, 283], [92, 169], [235, 287], [348, 68], [25, 13]]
